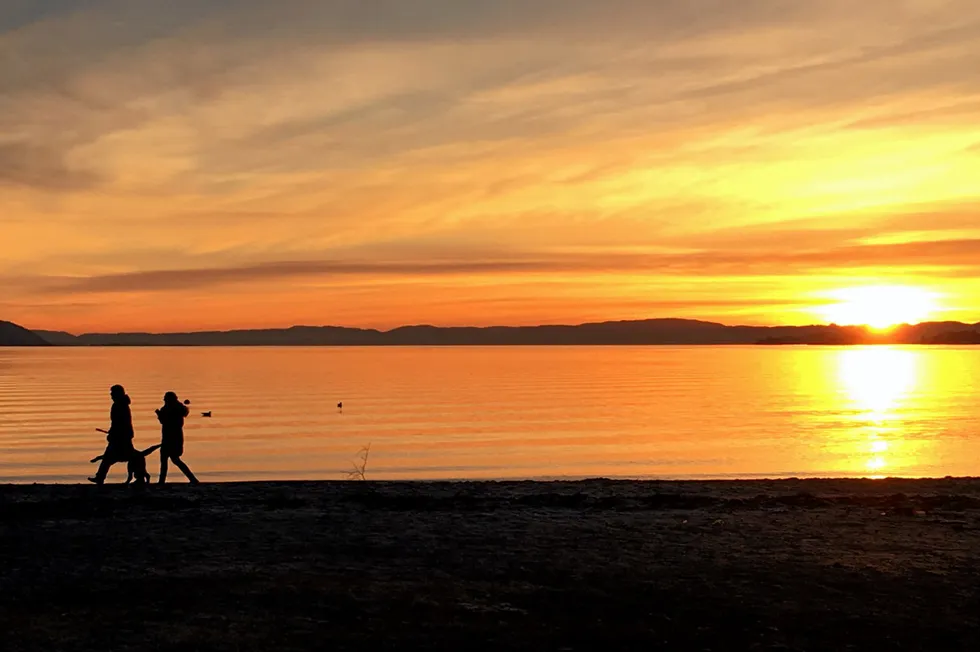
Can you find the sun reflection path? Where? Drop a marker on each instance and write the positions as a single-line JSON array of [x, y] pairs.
[[878, 380]]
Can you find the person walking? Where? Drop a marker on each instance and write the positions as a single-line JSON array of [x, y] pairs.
[[119, 437], [171, 417]]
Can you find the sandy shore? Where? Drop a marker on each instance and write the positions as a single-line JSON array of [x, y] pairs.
[[788, 565]]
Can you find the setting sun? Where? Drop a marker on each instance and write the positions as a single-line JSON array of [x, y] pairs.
[[881, 307]]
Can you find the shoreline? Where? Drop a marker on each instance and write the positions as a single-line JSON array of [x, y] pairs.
[[734, 482], [546, 480], [494, 345], [804, 564]]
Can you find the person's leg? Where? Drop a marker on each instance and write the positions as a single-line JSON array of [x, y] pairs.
[[183, 467], [163, 466], [108, 459]]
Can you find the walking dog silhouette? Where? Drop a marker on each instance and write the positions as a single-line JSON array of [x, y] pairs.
[[135, 465]]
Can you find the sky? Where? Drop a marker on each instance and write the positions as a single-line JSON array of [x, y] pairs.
[[190, 165]]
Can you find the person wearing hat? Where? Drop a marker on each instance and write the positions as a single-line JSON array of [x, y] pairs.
[[171, 417]]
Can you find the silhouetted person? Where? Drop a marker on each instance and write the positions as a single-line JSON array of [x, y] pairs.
[[171, 417], [120, 434]]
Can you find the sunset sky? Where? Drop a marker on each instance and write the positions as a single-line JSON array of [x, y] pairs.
[[191, 165]]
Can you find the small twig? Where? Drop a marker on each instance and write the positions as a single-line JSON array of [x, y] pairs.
[[360, 470]]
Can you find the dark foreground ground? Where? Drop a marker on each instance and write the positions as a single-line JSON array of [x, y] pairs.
[[794, 565]]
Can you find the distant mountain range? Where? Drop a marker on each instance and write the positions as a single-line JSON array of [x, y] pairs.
[[14, 335], [652, 331]]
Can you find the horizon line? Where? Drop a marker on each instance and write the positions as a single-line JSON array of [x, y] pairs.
[[692, 320]]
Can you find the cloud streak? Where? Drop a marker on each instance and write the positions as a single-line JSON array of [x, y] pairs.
[[46, 170], [953, 256]]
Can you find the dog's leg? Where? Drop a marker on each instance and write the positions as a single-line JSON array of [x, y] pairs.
[[129, 477]]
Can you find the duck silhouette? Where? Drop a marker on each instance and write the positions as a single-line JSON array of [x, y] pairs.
[[340, 406]]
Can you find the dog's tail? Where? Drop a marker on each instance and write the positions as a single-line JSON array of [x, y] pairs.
[[150, 450]]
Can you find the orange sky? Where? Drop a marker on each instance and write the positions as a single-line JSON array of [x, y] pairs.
[[189, 165]]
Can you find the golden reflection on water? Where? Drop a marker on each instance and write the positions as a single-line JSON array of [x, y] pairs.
[[879, 383], [522, 412]]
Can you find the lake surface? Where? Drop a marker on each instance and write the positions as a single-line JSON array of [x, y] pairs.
[[476, 413]]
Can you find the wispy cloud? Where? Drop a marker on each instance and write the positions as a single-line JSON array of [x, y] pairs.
[[37, 168], [939, 257]]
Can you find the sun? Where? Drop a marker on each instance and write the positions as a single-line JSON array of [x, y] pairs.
[[880, 307]]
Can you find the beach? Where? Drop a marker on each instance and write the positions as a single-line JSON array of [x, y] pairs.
[[725, 565]]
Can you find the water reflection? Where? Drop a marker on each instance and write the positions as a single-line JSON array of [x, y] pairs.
[[878, 381], [522, 412]]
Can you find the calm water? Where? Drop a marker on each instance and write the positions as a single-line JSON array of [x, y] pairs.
[[505, 412]]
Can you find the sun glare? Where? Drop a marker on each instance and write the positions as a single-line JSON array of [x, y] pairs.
[[880, 307], [879, 382]]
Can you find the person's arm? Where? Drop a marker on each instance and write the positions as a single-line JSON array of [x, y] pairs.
[[113, 422]]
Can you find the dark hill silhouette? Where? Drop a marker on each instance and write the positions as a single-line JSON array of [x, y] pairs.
[[14, 335], [58, 338], [645, 332], [955, 337]]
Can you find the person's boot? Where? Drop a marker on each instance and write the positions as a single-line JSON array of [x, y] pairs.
[[103, 471]]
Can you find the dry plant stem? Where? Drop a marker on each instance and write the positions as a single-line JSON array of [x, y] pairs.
[[359, 472]]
